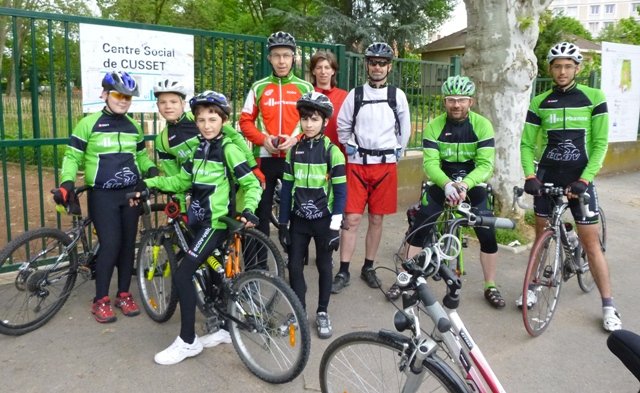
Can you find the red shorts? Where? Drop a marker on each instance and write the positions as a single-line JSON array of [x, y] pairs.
[[375, 185]]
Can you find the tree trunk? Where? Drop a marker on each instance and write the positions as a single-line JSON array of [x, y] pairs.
[[499, 58]]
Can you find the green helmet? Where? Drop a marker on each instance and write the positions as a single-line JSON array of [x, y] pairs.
[[458, 86]]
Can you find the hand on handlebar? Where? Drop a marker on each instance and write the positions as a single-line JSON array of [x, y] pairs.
[[249, 219], [577, 188], [451, 194], [532, 186]]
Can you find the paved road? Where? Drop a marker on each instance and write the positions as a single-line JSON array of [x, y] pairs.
[[75, 354]]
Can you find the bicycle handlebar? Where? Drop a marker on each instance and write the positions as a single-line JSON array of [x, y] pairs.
[[550, 190], [473, 220]]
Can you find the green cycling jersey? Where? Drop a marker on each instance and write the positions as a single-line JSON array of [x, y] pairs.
[[464, 147]]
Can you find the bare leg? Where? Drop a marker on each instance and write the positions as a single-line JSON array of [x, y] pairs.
[[349, 236], [374, 234], [597, 263], [489, 264]]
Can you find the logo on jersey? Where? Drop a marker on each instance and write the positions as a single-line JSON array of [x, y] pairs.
[[125, 177], [310, 210], [565, 151]]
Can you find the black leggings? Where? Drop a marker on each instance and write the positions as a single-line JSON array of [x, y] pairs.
[[273, 168], [430, 212], [206, 240], [116, 224], [301, 233]]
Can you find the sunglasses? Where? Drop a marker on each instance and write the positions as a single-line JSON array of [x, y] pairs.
[[379, 63], [457, 100], [119, 96]]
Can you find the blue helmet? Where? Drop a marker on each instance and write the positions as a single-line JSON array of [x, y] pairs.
[[211, 97], [379, 49], [121, 82]]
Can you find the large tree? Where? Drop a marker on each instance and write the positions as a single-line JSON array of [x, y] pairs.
[[625, 31], [499, 57]]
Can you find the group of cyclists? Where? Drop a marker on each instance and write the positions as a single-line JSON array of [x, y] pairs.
[[327, 180]]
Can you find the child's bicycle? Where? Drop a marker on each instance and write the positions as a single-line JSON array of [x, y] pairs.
[[38, 270], [554, 259], [387, 361], [266, 321]]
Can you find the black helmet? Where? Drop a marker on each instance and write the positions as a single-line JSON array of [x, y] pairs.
[[211, 97], [316, 101], [281, 39], [379, 49], [121, 82]]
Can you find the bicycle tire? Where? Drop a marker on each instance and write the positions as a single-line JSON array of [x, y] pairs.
[[274, 346], [261, 253], [27, 300], [603, 230], [544, 278], [275, 206], [369, 362], [585, 277], [155, 262]]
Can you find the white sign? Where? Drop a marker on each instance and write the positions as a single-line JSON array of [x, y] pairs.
[[621, 85], [148, 56]]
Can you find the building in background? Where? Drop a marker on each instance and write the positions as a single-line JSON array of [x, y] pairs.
[[596, 15]]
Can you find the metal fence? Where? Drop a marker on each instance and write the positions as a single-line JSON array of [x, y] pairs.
[[40, 82]]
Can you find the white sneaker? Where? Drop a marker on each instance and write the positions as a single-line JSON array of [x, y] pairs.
[[211, 340], [323, 324], [611, 319], [178, 351], [532, 299]]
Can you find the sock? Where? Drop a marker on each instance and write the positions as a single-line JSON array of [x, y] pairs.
[[607, 302], [368, 264], [321, 309], [489, 284], [344, 267]]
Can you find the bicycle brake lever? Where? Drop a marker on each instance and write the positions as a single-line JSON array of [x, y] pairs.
[[584, 206]]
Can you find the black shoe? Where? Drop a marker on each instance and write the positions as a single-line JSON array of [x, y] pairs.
[[369, 276], [340, 281]]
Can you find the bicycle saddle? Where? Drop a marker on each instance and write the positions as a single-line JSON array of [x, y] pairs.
[[626, 346]]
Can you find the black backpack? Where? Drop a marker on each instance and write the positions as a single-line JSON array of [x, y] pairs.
[[359, 101]]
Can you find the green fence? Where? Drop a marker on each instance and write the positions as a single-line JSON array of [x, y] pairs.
[[40, 83]]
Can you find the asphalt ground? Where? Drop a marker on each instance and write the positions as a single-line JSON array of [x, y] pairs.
[[73, 353]]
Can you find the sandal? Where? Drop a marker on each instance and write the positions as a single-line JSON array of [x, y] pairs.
[[393, 293], [493, 296]]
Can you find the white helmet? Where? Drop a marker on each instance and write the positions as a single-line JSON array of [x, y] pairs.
[[170, 86], [564, 50]]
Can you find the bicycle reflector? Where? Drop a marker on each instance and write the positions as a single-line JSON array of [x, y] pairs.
[[172, 209]]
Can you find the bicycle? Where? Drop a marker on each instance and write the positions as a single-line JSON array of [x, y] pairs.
[[38, 271], [445, 218], [388, 361], [275, 207], [265, 319], [554, 259]]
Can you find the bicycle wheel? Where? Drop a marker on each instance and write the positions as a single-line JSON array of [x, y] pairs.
[[36, 278], [585, 278], [272, 338], [155, 262], [603, 230], [260, 253], [542, 283], [369, 362], [275, 207]]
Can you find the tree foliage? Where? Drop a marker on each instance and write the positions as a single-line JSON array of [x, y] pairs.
[[625, 31], [554, 29]]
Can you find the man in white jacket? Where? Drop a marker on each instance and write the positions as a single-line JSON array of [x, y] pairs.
[[374, 126]]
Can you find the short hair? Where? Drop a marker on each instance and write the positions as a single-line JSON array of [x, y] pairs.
[[333, 62], [306, 112], [209, 106]]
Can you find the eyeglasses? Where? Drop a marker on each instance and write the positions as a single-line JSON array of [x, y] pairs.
[[457, 100], [560, 67], [283, 56], [119, 96], [379, 63]]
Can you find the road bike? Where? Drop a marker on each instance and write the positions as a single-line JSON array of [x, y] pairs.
[[266, 321], [416, 357], [555, 257], [38, 270]]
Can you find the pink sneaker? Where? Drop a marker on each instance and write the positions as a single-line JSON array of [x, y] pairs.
[[102, 311]]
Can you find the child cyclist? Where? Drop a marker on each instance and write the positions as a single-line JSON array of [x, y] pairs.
[[312, 201], [176, 143], [209, 174]]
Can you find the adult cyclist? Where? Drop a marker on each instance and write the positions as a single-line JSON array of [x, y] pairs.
[[270, 119], [575, 117], [458, 154]]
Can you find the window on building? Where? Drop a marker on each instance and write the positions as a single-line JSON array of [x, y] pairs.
[[607, 24], [635, 7], [594, 27], [609, 9], [595, 9], [558, 11], [573, 11]]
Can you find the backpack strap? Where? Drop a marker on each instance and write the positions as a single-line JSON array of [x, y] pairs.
[[393, 103], [358, 102]]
